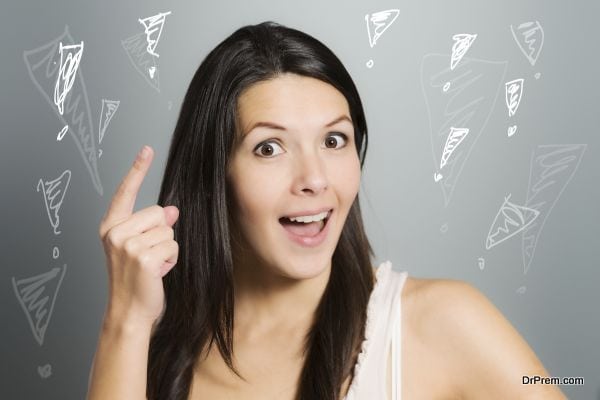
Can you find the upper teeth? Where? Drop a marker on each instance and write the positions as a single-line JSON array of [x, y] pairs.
[[310, 218]]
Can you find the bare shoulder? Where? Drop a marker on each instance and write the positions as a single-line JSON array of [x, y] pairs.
[[468, 340]]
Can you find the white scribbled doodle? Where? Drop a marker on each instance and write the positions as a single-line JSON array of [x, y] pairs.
[[469, 102], [379, 22], [481, 263], [455, 138], [109, 107], [522, 289], [514, 93], [45, 371], [552, 168], [444, 228], [43, 64], [143, 62], [153, 27], [140, 49], [66, 72], [462, 43], [37, 296], [55, 252], [530, 39], [62, 133], [510, 220], [54, 192]]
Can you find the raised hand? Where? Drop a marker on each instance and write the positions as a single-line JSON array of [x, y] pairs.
[[139, 249]]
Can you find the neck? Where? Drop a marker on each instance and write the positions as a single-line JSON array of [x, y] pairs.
[[267, 301]]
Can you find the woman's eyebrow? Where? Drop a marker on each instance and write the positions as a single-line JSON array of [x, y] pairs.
[[272, 125]]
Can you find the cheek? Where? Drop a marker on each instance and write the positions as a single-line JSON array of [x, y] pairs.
[[255, 196], [347, 178]]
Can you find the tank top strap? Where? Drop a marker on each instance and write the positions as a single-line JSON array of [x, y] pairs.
[[396, 331], [382, 330]]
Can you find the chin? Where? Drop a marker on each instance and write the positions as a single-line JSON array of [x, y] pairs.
[[307, 267]]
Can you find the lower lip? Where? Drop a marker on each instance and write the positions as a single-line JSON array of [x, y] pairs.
[[310, 241]]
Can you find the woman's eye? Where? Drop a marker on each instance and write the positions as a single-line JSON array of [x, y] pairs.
[[265, 149], [335, 142]]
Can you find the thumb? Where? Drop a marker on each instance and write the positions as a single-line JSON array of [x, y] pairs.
[[171, 214]]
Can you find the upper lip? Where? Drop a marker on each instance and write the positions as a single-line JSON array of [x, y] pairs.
[[308, 212]]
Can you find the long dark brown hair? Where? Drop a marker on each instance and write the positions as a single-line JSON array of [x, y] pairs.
[[199, 289]]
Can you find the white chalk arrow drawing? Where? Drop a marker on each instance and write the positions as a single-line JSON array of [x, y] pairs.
[[153, 27], [140, 48], [379, 22], [69, 64], [552, 168], [514, 93], [37, 296], [469, 102], [54, 192], [455, 137], [43, 65], [143, 62], [510, 220], [109, 107], [530, 39], [462, 43]]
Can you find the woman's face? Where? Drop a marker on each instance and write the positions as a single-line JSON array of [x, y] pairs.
[[296, 156]]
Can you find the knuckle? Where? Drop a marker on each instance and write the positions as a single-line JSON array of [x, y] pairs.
[[138, 164], [103, 227], [101, 231], [175, 251], [144, 259], [167, 231], [112, 238], [131, 246]]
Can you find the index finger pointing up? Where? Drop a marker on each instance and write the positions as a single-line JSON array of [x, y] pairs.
[[121, 206]]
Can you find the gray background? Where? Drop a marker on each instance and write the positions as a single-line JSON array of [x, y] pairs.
[[408, 217]]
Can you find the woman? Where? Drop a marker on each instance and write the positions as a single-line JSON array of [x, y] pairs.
[[262, 307]]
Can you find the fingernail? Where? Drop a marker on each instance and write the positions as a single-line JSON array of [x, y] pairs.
[[143, 154]]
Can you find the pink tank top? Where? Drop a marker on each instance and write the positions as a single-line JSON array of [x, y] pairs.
[[383, 326]]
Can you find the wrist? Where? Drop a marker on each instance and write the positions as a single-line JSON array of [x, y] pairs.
[[127, 324]]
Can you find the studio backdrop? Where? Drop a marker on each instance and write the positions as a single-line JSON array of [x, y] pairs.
[[481, 166]]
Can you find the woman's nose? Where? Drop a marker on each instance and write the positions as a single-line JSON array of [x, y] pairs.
[[310, 175]]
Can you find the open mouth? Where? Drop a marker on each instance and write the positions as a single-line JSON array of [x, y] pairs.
[[306, 229]]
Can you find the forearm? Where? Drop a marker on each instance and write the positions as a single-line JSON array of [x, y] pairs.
[[121, 362]]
